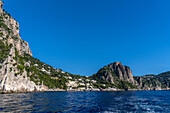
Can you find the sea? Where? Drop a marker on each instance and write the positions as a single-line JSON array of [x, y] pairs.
[[86, 102]]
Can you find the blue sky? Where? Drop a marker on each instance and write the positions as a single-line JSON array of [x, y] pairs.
[[81, 36]]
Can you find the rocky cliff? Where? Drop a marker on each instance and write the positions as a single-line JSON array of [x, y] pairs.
[[115, 71], [12, 77], [116, 74]]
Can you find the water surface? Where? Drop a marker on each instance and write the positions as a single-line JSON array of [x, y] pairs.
[[131, 101]]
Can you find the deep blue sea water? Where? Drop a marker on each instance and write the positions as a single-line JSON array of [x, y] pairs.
[[130, 101]]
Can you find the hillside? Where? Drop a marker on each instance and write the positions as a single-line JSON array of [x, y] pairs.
[[154, 82]]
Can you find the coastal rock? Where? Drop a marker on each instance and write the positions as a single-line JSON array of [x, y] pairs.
[[123, 72], [115, 71]]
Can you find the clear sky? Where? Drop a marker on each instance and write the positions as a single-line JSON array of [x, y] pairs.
[[81, 36]]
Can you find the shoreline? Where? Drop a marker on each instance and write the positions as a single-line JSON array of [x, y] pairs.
[[12, 92], [105, 90]]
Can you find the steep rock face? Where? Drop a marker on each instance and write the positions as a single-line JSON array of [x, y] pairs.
[[115, 75], [123, 72], [10, 30], [13, 78], [115, 71]]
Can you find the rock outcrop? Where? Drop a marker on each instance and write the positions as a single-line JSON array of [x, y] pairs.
[[114, 73], [123, 72]]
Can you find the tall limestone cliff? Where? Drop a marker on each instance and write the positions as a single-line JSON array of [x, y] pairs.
[[13, 78]]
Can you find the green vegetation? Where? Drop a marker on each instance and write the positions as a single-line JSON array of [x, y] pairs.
[[21, 67], [125, 85], [10, 69], [3, 25], [36, 73], [15, 38], [1, 34], [4, 51]]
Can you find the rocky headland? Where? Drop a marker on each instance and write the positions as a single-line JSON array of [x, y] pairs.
[[21, 72]]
